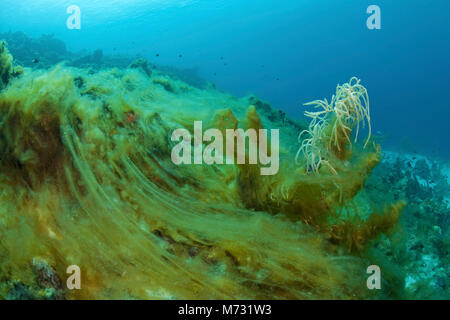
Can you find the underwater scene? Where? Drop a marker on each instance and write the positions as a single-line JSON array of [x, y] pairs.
[[224, 150]]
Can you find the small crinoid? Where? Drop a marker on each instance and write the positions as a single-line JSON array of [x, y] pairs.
[[352, 108], [312, 147], [348, 108]]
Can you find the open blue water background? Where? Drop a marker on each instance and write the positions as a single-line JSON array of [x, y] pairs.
[[288, 52]]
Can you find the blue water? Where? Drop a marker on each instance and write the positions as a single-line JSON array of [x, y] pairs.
[[287, 52]]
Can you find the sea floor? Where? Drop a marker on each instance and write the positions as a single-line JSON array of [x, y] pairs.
[[422, 250], [87, 179]]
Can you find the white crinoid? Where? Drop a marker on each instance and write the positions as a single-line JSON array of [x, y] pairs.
[[312, 146], [350, 108]]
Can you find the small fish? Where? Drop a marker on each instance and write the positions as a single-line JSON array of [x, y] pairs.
[[409, 164], [35, 61], [157, 54], [180, 56]]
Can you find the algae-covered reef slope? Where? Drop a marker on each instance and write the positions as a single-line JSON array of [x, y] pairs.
[[87, 179], [46, 51]]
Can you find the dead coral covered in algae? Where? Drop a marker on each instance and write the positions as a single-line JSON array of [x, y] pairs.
[[82, 184]]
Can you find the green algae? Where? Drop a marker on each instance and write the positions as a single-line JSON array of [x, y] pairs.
[[86, 170]]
